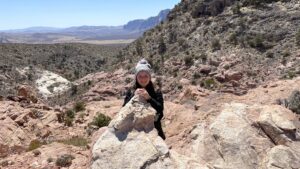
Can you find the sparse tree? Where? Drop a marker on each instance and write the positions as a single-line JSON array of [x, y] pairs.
[[162, 48], [139, 47]]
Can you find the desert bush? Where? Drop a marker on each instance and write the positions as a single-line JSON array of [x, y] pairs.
[[291, 74], [196, 75], [74, 90], [70, 113], [64, 160], [128, 80], [257, 42], [183, 43], [257, 3], [68, 121], [89, 82], [298, 38], [236, 9], [233, 38], [34, 145], [101, 120], [286, 54], [210, 8], [209, 83], [270, 55], [139, 47], [188, 60], [172, 37], [68, 118], [203, 57], [50, 160], [75, 141], [162, 48], [79, 106], [215, 44]]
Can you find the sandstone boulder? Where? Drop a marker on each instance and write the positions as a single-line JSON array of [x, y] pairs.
[[130, 141], [245, 136]]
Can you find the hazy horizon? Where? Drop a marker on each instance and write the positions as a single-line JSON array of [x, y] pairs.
[[63, 14]]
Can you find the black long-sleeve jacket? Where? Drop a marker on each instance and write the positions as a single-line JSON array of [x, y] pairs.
[[156, 101]]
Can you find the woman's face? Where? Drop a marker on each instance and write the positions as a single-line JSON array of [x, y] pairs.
[[143, 78]]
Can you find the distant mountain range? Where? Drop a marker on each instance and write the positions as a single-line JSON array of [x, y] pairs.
[[131, 30]]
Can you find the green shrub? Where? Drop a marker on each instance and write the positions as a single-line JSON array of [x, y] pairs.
[[101, 120], [162, 48], [139, 47], [291, 74], [75, 141], [70, 114], [128, 80], [69, 121], [253, 2], [209, 83], [172, 37], [203, 57], [64, 160], [74, 90], [50, 160], [257, 42], [236, 9], [298, 38], [81, 115], [258, 3], [233, 38], [270, 55], [34, 145], [196, 75], [89, 82], [215, 44], [286, 54], [194, 82], [79, 106], [183, 43], [188, 60]]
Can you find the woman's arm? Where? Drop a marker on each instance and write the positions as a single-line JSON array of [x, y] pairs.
[[128, 96], [158, 104]]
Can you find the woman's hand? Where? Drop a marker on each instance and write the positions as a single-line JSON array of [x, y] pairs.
[[143, 93]]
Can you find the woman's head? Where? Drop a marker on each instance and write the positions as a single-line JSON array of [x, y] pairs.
[[143, 73], [143, 78]]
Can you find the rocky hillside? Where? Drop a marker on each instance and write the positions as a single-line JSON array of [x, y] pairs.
[[228, 46], [28, 64]]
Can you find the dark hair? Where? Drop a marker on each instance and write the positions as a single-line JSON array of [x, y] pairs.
[[150, 87]]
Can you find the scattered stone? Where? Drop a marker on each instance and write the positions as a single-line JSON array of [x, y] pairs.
[[205, 69], [220, 77], [233, 75], [36, 152]]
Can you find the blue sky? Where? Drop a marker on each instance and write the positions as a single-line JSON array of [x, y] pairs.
[[16, 14]]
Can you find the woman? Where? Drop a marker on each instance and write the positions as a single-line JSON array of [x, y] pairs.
[[144, 88]]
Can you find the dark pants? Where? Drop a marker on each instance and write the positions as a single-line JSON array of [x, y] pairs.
[[158, 127]]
